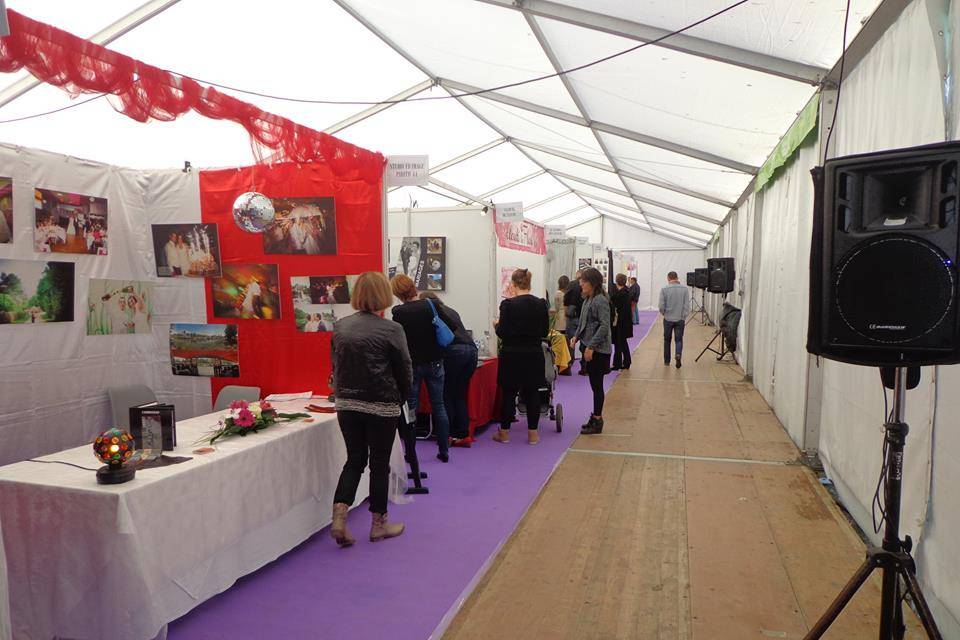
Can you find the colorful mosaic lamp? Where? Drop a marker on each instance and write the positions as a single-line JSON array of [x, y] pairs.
[[114, 447]]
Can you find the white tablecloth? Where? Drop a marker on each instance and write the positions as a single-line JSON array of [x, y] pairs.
[[88, 561]]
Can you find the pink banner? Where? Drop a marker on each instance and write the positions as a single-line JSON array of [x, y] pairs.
[[522, 236]]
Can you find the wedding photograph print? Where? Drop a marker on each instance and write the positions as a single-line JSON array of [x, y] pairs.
[[186, 250], [209, 350], [302, 225], [69, 223], [249, 291], [314, 298], [6, 210], [34, 291], [119, 306]]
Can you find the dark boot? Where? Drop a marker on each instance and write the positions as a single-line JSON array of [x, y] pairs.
[[593, 427], [679, 364]]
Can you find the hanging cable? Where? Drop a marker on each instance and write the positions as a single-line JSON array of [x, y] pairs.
[[47, 113], [836, 107]]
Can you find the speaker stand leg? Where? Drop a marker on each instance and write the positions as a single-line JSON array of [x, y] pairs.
[[710, 347]]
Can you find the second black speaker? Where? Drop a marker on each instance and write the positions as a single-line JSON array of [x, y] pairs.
[[722, 277]]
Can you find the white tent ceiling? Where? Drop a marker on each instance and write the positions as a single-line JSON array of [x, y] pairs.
[[667, 136]]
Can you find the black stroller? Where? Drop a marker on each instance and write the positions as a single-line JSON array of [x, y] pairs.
[[547, 407]]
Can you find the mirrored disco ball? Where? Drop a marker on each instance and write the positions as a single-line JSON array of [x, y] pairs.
[[253, 211]]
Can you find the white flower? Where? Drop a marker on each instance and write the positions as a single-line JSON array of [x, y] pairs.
[[255, 409]]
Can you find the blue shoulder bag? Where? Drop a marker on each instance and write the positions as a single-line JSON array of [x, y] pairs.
[[444, 335]]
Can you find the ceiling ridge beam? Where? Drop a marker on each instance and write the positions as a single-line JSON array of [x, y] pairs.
[[455, 87], [682, 42], [392, 101], [627, 174], [571, 90], [518, 181], [105, 36]]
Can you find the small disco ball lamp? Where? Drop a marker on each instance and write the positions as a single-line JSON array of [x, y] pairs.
[[113, 448], [253, 211]]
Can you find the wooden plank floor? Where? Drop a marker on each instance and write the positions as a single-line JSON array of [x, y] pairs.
[[688, 518]]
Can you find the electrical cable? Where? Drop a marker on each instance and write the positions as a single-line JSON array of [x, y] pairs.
[[836, 108], [51, 112], [877, 505], [467, 94], [69, 464]]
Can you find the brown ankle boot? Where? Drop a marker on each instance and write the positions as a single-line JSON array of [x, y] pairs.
[[381, 530], [338, 530], [533, 436], [502, 435]]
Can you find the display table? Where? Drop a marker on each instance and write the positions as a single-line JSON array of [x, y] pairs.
[[483, 397], [120, 562]]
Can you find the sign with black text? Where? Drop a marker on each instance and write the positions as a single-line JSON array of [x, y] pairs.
[[407, 171]]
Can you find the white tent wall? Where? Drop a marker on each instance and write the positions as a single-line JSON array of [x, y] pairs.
[[652, 269], [891, 99], [780, 309], [54, 377], [471, 273], [561, 261]]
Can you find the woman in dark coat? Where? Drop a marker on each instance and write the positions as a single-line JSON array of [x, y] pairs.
[[523, 324], [623, 323]]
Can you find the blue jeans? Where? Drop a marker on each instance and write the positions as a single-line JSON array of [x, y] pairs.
[[676, 330], [432, 374], [459, 363]]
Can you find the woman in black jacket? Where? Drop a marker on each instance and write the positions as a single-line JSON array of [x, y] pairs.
[[372, 373], [459, 363], [416, 318], [523, 324], [620, 300]]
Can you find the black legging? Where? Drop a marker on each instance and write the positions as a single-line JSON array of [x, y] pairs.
[[597, 368], [366, 436], [531, 396]]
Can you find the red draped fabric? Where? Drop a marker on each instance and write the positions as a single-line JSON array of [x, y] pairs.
[[144, 92], [273, 354]]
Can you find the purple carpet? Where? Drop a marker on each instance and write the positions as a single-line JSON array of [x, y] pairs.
[[410, 587]]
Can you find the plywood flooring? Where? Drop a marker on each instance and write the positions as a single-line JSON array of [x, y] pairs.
[[688, 518]]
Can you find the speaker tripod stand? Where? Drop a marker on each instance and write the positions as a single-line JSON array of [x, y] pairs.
[[698, 307], [893, 556]]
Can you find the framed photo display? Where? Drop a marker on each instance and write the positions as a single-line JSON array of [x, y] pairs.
[[423, 258], [154, 428]]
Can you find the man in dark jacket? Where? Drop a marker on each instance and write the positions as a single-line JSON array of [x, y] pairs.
[[572, 303], [634, 290]]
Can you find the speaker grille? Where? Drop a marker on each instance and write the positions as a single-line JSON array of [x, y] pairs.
[[893, 290]]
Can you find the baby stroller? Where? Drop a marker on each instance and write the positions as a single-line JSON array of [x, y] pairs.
[[554, 412]]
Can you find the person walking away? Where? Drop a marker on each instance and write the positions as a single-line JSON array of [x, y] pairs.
[[459, 363], [594, 334], [559, 313], [523, 324], [573, 301], [623, 324], [634, 289], [416, 318], [372, 375], [674, 307]]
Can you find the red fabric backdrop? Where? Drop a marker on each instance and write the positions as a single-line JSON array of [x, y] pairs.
[[273, 354]]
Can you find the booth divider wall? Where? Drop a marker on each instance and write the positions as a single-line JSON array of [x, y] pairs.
[[893, 98], [653, 266], [54, 377]]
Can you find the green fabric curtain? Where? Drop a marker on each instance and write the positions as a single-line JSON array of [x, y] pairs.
[[791, 140]]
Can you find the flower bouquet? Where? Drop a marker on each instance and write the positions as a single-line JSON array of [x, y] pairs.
[[248, 418]]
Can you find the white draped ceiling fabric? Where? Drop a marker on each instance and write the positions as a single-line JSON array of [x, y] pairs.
[[666, 138]]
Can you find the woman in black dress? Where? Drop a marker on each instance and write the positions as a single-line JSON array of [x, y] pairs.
[[623, 323], [524, 323]]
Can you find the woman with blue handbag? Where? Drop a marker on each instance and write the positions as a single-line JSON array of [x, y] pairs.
[[427, 336], [523, 324]]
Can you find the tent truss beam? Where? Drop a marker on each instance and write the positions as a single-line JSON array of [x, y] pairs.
[[652, 216], [463, 194], [455, 88], [681, 42], [546, 200], [377, 108], [514, 183], [627, 174], [565, 213], [105, 36]]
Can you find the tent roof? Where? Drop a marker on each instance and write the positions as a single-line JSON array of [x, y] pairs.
[[667, 136]]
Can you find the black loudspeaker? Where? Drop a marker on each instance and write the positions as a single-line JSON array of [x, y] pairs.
[[701, 278], [883, 275], [722, 277], [691, 279]]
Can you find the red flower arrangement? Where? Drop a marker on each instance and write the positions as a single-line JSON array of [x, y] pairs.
[[246, 418]]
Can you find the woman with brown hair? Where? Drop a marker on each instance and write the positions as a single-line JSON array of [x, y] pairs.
[[416, 318], [371, 372], [594, 333], [523, 324]]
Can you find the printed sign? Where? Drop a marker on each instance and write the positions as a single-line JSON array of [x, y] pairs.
[[407, 171], [555, 232], [509, 212], [522, 236], [583, 241]]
